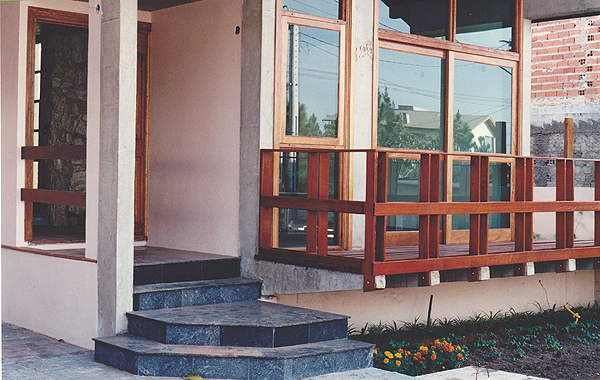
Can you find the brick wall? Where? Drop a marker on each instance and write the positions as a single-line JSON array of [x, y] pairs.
[[566, 59], [565, 82]]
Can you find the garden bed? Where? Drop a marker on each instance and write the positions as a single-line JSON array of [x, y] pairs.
[[545, 344]]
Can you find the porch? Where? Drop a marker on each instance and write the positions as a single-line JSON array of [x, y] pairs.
[[426, 248]]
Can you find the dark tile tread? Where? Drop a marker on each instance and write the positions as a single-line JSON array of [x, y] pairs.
[[144, 357], [248, 324], [194, 293]]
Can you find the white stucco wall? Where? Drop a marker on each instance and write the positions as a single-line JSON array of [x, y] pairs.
[[54, 296], [544, 223], [194, 127], [456, 299]]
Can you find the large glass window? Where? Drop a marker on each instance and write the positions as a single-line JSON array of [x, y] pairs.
[[410, 101], [312, 78]]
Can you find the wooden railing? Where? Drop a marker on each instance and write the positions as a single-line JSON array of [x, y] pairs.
[[429, 210]]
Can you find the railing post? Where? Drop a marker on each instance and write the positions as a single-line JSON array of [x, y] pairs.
[[597, 198], [565, 188], [524, 220], [322, 241], [312, 192], [479, 192], [266, 214], [429, 225], [370, 230], [382, 194]]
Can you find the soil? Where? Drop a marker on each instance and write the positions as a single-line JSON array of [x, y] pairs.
[[574, 360]]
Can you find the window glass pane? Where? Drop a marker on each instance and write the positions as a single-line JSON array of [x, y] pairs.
[[461, 191], [423, 17], [323, 8], [410, 101], [482, 108], [403, 186], [312, 82], [499, 192], [487, 23]]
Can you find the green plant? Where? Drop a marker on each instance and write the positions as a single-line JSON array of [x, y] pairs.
[[487, 343]]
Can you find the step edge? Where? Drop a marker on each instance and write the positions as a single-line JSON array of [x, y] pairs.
[[192, 285], [272, 353]]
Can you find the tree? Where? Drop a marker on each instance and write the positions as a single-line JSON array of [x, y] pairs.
[[463, 137], [481, 146]]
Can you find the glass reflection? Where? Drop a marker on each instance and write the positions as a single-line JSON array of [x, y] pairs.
[[323, 8], [482, 108], [410, 101], [423, 17], [487, 23], [312, 78]]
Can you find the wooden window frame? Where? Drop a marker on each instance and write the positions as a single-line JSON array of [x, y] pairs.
[[48, 16], [450, 50]]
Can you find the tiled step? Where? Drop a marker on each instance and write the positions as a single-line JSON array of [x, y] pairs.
[[178, 266], [145, 357], [194, 293], [247, 324]]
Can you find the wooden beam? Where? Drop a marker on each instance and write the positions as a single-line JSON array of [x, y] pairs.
[[474, 261], [336, 263], [329, 205], [55, 197], [59, 152]]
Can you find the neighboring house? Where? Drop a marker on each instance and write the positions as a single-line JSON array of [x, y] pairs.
[[182, 106], [565, 82]]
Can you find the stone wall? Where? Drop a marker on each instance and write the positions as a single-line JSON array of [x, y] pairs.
[[63, 114], [548, 141]]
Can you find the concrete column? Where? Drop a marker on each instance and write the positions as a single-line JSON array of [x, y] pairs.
[[256, 124], [116, 163], [363, 56]]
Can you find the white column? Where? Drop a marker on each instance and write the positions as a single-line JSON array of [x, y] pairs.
[[116, 164]]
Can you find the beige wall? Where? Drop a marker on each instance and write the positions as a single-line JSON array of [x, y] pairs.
[[54, 296], [544, 223], [456, 299], [194, 127]]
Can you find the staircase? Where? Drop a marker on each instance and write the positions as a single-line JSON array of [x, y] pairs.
[[193, 314]]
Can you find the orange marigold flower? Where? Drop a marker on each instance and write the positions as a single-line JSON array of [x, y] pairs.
[[398, 355], [434, 356], [386, 360], [458, 348], [375, 351], [398, 362], [437, 343], [459, 357], [388, 354], [400, 350]]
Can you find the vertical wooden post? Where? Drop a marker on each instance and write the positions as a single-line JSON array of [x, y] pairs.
[[370, 236], [382, 193], [267, 165], [434, 197], [323, 222], [312, 179], [597, 198], [479, 192], [565, 191], [424, 186]]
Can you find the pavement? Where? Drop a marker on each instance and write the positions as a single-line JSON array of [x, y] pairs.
[[32, 356]]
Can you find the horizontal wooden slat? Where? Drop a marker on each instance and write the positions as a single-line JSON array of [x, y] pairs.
[[69, 198], [59, 152], [328, 205], [285, 256], [441, 208], [472, 261]]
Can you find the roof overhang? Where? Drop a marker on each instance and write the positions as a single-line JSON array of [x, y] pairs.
[[535, 10], [543, 10]]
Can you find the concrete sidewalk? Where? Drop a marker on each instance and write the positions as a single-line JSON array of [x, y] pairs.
[[32, 356]]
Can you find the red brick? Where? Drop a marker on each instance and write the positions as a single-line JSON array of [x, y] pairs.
[[569, 41], [561, 49], [572, 92]]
